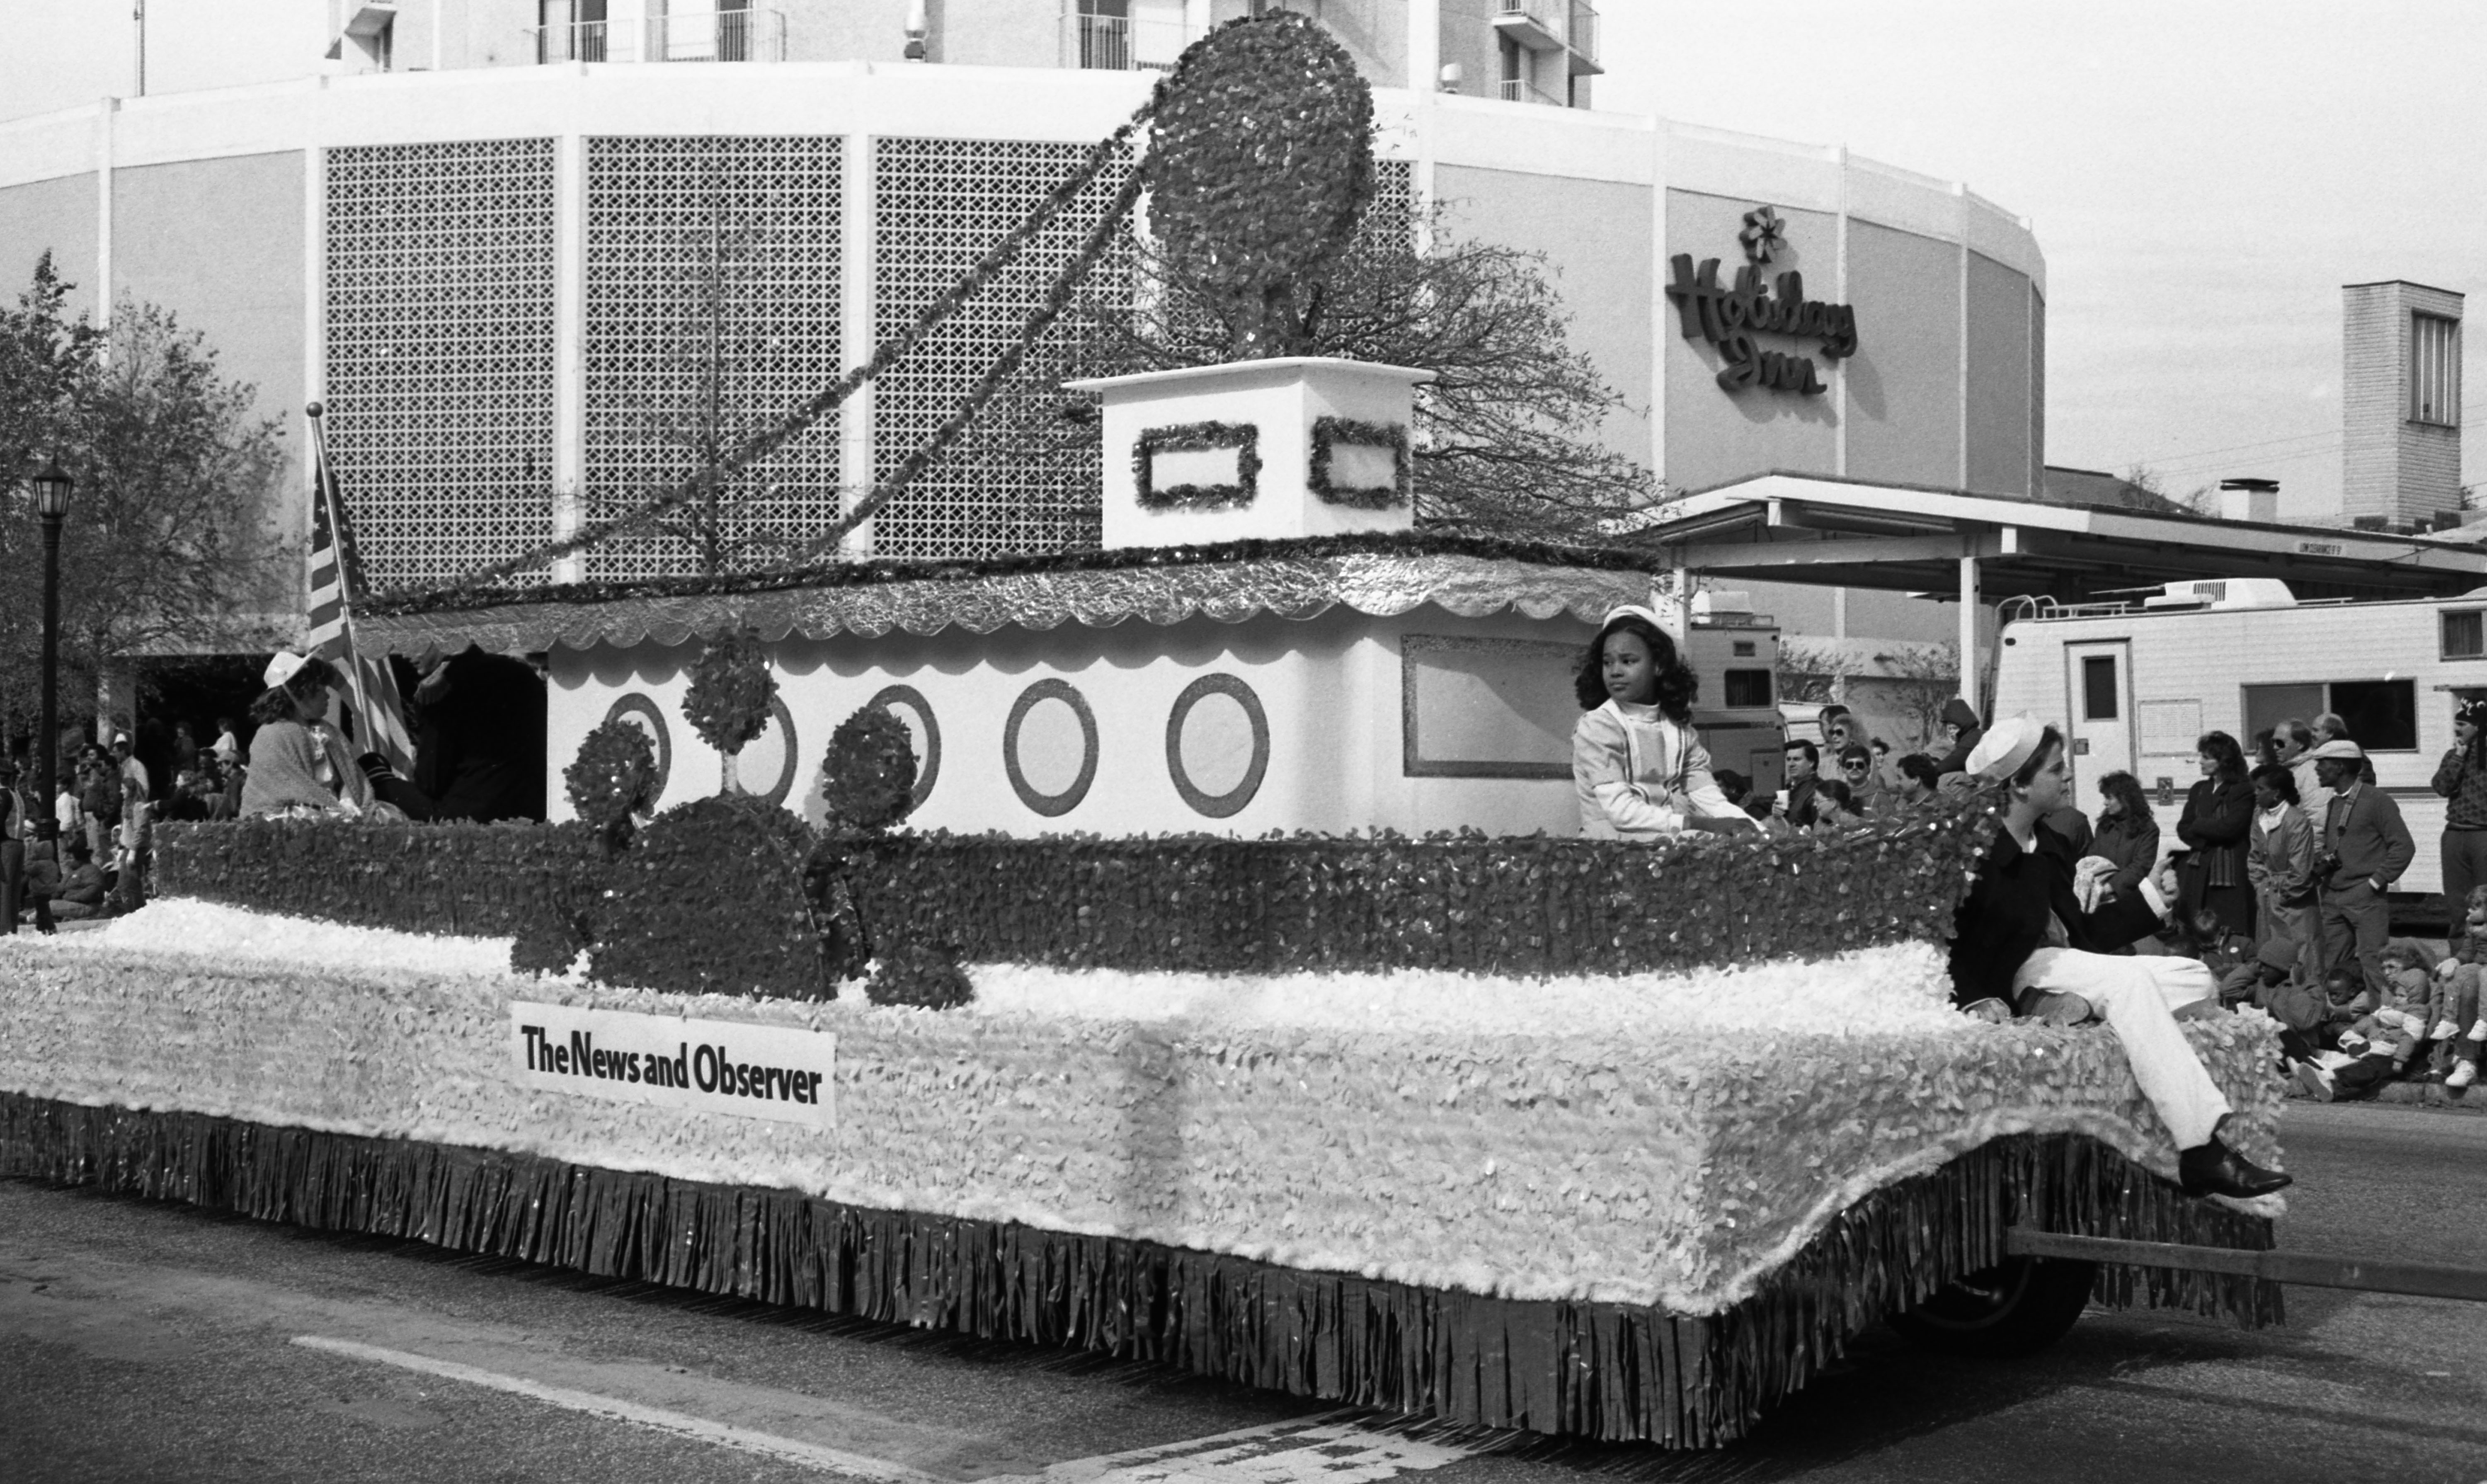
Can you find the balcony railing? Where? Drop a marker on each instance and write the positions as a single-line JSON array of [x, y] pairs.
[[1519, 90], [1536, 25], [1565, 28], [1582, 36], [1119, 43], [715, 36]]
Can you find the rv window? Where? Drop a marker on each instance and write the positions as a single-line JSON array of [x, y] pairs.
[[2268, 706], [1748, 687], [2098, 689], [2465, 636], [2382, 714]]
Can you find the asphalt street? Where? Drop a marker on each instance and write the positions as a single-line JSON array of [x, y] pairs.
[[142, 1340]]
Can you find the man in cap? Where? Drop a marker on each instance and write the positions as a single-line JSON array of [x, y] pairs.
[[2023, 945], [136, 812], [2361, 849], [2462, 779]]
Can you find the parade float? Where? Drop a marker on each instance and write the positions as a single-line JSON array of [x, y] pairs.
[[1180, 950]]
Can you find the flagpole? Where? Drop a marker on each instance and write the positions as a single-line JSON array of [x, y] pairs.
[[326, 485]]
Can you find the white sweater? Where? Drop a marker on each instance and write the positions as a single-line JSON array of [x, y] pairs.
[[1639, 775]]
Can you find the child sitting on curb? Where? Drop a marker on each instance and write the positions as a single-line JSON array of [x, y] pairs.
[[2380, 1045], [2459, 1029]]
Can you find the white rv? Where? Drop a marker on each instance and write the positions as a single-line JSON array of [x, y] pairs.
[[2134, 683]]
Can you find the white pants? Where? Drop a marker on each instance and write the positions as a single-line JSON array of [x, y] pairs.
[[2138, 997]]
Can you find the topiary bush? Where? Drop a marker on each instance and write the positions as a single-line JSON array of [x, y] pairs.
[[867, 777], [920, 974], [1259, 168], [711, 899], [611, 779], [728, 700]]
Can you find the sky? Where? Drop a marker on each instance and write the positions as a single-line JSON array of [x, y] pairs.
[[2202, 177]]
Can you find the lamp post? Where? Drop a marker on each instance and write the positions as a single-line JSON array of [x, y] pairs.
[[52, 503]]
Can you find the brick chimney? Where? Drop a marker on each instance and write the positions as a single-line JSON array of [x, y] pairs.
[[2400, 402]]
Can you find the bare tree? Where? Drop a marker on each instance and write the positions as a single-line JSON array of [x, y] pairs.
[[1809, 670], [2200, 500], [1508, 436], [1919, 681]]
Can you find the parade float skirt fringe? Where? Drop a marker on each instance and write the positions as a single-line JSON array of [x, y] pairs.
[[1589, 1369]]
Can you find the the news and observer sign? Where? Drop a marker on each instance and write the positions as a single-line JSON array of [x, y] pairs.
[[785, 1072]]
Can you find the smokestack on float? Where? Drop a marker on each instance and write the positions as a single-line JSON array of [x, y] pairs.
[[2249, 499]]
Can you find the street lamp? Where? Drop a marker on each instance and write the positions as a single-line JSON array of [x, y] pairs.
[[51, 502]]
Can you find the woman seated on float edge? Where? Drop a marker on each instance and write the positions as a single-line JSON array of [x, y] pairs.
[[2023, 945], [298, 764], [1640, 770]]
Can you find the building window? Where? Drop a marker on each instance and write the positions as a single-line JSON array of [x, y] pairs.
[[571, 31], [2435, 370], [2382, 714], [1105, 34], [2465, 635], [2098, 689], [1749, 688]]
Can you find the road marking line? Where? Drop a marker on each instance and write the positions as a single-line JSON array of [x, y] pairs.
[[680, 1424], [1330, 1448]]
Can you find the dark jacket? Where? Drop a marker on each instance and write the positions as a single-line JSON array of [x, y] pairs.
[[1960, 713], [2464, 783], [2074, 825], [2003, 919], [2369, 838], [1801, 811], [2218, 817], [2132, 842]]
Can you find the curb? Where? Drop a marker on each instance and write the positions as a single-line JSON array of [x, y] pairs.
[[2469, 1100]]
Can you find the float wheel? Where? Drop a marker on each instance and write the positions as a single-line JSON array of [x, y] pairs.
[[2018, 1307]]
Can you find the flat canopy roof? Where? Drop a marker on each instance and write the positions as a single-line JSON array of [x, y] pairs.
[[1836, 532]]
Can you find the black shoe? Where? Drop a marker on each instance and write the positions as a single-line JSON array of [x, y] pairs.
[[2216, 1169]]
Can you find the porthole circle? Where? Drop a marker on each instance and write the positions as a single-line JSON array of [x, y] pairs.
[[642, 713], [1051, 805], [927, 767], [1217, 806], [781, 722]]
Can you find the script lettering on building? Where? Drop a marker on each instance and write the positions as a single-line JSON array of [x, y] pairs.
[[1728, 316], [784, 1073]]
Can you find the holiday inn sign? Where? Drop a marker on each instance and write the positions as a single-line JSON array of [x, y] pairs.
[[1730, 317]]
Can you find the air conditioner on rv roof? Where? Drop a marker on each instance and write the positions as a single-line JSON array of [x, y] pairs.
[[2225, 592]]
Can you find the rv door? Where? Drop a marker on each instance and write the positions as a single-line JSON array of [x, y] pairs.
[[2098, 697]]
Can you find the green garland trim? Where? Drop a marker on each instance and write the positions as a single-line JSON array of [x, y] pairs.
[[871, 573], [1329, 431], [1599, 1370], [1198, 437]]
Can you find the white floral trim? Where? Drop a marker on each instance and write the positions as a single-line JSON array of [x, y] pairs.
[[1651, 1139]]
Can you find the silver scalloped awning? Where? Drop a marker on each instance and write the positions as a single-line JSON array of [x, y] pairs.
[[1167, 593]]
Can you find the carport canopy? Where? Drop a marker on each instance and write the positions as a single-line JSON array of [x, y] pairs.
[[1972, 547]]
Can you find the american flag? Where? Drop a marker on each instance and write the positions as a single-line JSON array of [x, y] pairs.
[[330, 630]]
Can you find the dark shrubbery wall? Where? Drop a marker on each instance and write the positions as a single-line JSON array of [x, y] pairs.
[[481, 880], [1172, 902]]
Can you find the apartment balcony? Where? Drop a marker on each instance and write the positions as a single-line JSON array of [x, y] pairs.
[[1121, 43], [1564, 28], [1582, 39], [1534, 25], [1519, 90], [716, 35]]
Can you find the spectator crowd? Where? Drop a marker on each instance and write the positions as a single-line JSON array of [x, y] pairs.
[[479, 723]]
